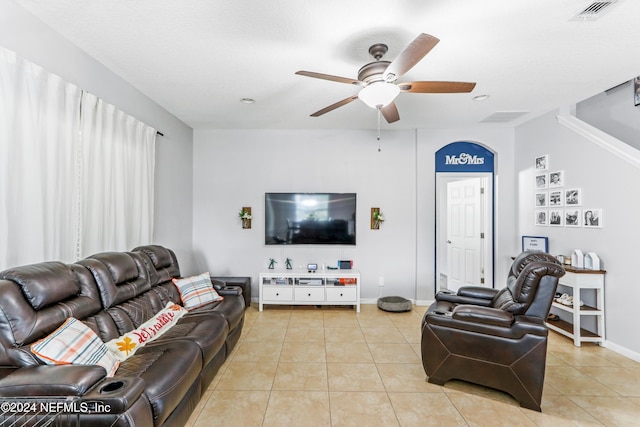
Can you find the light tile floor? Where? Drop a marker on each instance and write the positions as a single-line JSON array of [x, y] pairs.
[[307, 366]]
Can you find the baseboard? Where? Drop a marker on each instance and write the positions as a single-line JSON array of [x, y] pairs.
[[622, 351]]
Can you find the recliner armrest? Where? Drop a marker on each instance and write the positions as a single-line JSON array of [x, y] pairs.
[[477, 292], [486, 315], [476, 295], [58, 380]]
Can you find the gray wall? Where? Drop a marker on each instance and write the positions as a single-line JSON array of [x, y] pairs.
[[614, 113], [399, 180], [35, 41], [605, 181]]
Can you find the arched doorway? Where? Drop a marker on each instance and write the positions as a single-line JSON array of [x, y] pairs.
[[464, 245]]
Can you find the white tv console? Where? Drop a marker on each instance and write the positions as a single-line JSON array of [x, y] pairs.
[[299, 287]]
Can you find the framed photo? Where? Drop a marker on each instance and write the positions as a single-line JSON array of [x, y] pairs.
[[540, 217], [542, 180], [541, 199], [592, 218], [572, 217], [556, 198], [555, 218], [572, 197], [556, 179], [535, 243], [542, 162], [636, 91]]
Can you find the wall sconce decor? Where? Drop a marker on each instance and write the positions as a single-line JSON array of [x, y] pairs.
[[377, 218], [245, 216]]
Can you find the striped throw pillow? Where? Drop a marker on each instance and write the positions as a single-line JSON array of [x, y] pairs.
[[196, 291], [75, 343]]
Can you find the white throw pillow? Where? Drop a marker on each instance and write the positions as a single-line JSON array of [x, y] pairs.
[[125, 346]]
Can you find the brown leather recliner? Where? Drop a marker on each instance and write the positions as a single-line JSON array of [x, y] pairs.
[[495, 338]]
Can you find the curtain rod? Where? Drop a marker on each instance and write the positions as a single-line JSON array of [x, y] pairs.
[[159, 133]]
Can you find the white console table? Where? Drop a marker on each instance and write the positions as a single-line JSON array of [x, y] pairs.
[[577, 281], [299, 287]]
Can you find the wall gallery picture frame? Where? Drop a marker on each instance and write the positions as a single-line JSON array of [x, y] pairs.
[[573, 197], [556, 218], [542, 163], [556, 179], [541, 199], [556, 198], [542, 180], [592, 218], [572, 217], [540, 218]]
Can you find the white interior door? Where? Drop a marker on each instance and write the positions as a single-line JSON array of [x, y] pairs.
[[465, 233]]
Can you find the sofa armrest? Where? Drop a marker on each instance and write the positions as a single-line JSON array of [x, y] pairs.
[[115, 395], [230, 290], [58, 380]]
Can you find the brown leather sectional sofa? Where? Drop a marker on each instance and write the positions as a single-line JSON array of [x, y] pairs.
[[112, 293]]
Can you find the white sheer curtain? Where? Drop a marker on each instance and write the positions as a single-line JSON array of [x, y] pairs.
[[118, 154], [39, 119], [76, 174]]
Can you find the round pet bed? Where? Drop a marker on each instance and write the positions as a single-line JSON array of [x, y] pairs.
[[394, 304]]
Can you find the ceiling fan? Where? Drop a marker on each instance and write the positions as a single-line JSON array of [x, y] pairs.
[[378, 79]]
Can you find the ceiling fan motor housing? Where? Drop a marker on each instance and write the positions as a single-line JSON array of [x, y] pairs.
[[373, 71]]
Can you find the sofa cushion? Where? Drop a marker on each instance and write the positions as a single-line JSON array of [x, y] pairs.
[[126, 345], [74, 343], [196, 291], [169, 370]]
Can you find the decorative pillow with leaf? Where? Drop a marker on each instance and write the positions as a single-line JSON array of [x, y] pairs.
[[75, 343], [125, 346], [196, 291]]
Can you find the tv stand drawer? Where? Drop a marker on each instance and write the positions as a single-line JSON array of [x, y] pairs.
[[341, 293], [277, 293], [310, 294]]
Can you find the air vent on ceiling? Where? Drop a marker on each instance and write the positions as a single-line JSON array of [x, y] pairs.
[[503, 116], [593, 11]]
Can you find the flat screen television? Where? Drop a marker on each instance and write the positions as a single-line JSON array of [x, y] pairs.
[[310, 218]]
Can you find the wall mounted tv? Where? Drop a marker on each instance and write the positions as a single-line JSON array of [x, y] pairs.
[[310, 218]]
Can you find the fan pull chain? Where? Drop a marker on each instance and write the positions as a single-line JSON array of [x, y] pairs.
[[379, 129]]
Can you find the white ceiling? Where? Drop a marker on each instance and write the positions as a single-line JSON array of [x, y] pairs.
[[198, 58]]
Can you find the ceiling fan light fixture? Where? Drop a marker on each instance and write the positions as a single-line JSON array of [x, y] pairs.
[[378, 94]]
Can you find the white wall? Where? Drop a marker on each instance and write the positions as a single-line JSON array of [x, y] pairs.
[[35, 41], [606, 182]]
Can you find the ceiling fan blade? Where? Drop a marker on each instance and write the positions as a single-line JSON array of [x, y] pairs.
[[330, 77], [334, 106], [390, 112], [409, 57], [436, 87]]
